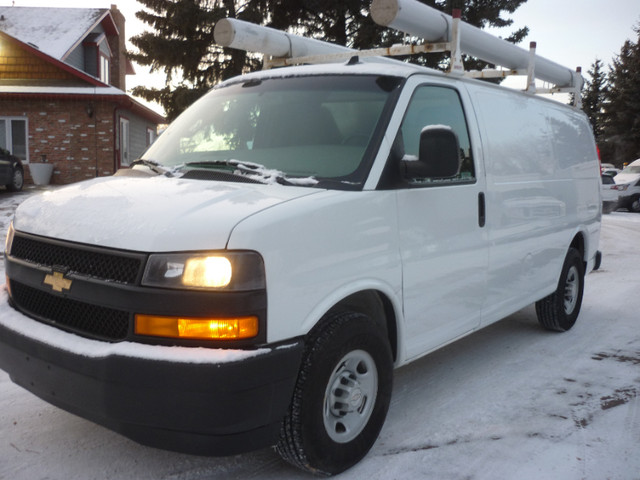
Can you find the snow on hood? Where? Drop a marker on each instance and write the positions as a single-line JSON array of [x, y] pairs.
[[149, 214], [623, 178]]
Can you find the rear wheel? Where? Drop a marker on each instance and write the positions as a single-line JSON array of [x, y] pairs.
[[341, 396], [559, 311]]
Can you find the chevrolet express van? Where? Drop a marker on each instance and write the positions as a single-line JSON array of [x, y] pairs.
[[286, 243]]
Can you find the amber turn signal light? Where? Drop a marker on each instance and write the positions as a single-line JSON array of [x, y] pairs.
[[237, 328]]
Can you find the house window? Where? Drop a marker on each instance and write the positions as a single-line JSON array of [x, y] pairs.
[[104, 69], [125, 153], [13, 136], [151, 136]]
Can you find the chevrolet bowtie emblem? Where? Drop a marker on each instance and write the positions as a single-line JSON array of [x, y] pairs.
[[57, 282]]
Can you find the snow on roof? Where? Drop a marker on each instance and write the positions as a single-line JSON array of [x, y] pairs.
[[54, 31], [58, 90]]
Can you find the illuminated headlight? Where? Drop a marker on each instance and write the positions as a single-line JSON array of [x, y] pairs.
[[234, 271], [213, 272], [9, 240]]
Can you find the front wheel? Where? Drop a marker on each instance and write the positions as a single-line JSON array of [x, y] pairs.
[[559, 311], [17, 180], [341, 396], [634, 205]]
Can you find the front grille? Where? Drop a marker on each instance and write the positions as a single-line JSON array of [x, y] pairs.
[[76, 259], [83, 318]]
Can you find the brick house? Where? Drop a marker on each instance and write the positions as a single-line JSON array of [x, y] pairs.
[[63, 92]]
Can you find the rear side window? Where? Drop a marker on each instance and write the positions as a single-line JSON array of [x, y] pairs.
[[608, 180]]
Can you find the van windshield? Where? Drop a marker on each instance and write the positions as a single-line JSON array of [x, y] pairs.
[[315, 130]]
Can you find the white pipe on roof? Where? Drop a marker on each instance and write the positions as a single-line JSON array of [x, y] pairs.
[[420, 20], [234, 33]]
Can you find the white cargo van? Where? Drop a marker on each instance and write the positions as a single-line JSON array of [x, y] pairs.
[[292, 238], [628, 186]]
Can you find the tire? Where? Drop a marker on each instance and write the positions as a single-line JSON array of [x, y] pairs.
[[608, 208], [559, 311], [347, 358], [634, 204], [17, 181]]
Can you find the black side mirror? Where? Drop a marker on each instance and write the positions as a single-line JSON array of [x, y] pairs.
[[439, 155]]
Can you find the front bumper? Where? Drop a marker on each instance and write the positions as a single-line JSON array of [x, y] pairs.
[[191, 400]]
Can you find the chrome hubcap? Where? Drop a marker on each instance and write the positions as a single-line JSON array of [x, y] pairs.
[[350, 396], [17, 178], [571, 289]]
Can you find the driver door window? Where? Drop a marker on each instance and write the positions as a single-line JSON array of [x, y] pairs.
[[432, 105]]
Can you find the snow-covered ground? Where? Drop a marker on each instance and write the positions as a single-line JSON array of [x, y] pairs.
[[510, 402]]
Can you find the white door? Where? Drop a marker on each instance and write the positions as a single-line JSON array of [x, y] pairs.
[[125, 153], [442, 237]]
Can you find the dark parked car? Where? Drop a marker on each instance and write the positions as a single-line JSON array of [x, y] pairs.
[[11, 171]]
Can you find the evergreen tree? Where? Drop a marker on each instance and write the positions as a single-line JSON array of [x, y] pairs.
[[623, 108], [347, 22], [593, 98], [181, 42]]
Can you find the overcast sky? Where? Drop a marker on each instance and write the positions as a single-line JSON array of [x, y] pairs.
[[569, 32]]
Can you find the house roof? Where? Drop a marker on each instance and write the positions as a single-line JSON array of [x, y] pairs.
[[54, 31], [93, 87], [52, 60]]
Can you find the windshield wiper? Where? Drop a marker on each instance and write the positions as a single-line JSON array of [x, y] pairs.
[[153, 166], [214, 163], [254, 171]]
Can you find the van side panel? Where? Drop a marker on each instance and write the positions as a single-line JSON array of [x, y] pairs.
[[541, 190], [319, 251]]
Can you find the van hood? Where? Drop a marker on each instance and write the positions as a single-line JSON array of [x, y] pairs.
[[157, 214], [623, 178]]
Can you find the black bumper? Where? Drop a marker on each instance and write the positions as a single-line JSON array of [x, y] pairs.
[[204, 408]]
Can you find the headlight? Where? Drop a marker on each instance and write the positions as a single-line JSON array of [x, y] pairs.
[[9, 240], [230, 271], [214, 272]]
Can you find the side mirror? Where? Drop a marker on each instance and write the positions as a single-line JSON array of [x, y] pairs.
[[439, 155]]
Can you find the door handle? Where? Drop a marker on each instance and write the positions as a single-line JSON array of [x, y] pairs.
[[482, 211]]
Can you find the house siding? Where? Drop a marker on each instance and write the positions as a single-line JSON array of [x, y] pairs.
[[79, 146], [104, 49], [17, 64], [137, 133], [91, 60], [77, 57], [139, 128]]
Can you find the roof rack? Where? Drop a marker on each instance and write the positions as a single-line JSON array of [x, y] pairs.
[[440, 32]]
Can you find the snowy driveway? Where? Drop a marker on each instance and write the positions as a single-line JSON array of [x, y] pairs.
[[510, 402]]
